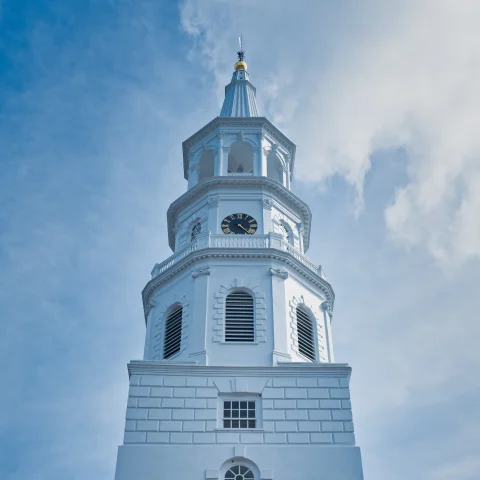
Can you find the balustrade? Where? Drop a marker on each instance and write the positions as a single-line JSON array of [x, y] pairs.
[[237, 241]]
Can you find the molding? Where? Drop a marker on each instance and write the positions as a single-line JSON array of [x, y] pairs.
[[156, 350], [278, 272], [211, 474], [212, 201], [250, 385], [263, 184], [200, 272], [326, 307], [267, 203], [230, 253], [145, 367], [318, 329]]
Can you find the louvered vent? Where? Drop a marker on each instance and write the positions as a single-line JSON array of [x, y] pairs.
[[306, 344], [173, 333], [239, 318]]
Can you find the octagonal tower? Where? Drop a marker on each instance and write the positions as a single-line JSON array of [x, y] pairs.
[[238, 379]]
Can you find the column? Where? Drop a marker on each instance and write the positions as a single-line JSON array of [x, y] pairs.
[[193, 172], [260, 156], [283, 175], [280, 315], [199, 322], [288, 173], [219, 157]]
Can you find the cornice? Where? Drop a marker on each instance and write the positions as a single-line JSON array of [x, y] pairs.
[[230, 253], [263, 183], [251, 122], [141, 367]]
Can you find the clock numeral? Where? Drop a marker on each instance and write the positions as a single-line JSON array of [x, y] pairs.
[[251, 230], [251, 221], [232, 216], [253, 225], [225, 225], [227, 230], [240, 216]]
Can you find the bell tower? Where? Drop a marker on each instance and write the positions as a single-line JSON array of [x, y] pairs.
[[238, 379]]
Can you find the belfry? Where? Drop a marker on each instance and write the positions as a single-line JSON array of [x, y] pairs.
[[238, 379]]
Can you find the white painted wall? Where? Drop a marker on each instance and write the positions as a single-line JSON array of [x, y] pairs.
[[203, 297], [213, 206], [172, 423]]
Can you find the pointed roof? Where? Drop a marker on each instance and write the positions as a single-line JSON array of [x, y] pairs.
[[239, 93]]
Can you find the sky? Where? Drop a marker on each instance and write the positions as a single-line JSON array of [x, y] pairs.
[[383, 103]]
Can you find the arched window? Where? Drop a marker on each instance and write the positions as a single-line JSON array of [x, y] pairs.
[[286, 232], [240, 159], [239, 317], [306, 338], [274, 168], [206, 164], [239, 472], [173, 333], [196, 231]]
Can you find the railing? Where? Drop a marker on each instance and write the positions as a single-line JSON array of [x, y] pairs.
[[272, 240], [239, 241]]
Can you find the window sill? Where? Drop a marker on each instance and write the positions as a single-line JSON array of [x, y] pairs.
[[243, 430]]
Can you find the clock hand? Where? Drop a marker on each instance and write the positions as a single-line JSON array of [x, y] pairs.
[[242, 227]]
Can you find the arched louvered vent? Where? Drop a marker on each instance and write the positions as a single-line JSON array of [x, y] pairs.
[[239, 317], [306, 342], [196, 231], [173, 333]]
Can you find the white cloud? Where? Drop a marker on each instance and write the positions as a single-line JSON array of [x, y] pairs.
[[355, 80]]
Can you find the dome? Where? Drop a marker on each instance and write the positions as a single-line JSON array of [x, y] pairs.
[[240, 65]]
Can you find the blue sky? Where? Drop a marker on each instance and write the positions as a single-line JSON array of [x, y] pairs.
[[381, 99]]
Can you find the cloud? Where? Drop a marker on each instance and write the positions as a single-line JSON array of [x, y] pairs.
[[361, 79]]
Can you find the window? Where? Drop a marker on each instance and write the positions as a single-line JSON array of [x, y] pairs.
[[285, 232], [206, 164], [306, 343], [239, 317], [274, 168], [240, 159], [239, 414], [173, 333], [239, 472], [196, 231]]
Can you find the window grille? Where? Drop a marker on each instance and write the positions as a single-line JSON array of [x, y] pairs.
[[173, 333], [196, 230], [239, 414], [239, 318], [306, 343], [239, 472]]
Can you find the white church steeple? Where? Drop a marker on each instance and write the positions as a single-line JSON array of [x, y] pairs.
[[238, 379], [240, 93]]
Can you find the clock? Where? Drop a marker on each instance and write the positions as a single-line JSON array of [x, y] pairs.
[[239, 224]]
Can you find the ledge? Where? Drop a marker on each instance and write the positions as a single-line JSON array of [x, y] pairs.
[[272, 253], [144, 367]]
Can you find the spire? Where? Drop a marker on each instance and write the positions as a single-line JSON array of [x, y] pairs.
[[239, 93]]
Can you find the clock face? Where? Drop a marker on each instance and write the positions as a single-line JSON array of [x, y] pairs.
[[239, 224]]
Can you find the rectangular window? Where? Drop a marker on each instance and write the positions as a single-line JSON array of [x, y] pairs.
[[239, 414]]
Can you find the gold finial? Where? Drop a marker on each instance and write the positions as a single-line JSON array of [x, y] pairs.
[[241, 64]]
